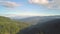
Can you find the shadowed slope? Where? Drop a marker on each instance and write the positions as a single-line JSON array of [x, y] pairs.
[[50, 27]]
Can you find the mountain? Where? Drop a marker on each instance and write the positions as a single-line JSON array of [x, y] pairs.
[[9, 26], [18, 17], [36, 19], [49, 27]]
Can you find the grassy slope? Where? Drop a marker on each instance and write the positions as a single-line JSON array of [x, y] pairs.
[[8, 26]]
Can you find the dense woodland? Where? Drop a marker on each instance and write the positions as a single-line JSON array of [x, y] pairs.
[[8, 26], [49, 27]]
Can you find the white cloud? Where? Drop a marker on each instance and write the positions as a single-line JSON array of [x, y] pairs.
[[8, 4], [43, 2], [53, 4]]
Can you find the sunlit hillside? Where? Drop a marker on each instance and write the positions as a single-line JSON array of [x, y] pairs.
[[8, 26]]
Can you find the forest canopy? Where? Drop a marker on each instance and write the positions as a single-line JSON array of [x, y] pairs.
[[8, 26]]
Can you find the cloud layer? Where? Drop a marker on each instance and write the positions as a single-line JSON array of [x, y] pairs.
[[28, 14], [8, 4], [53, 4]]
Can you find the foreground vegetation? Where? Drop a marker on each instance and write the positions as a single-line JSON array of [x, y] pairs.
[[8, 26]]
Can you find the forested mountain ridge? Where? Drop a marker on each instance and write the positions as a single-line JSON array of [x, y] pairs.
[[8, 26], [36, 19], [49, 27]]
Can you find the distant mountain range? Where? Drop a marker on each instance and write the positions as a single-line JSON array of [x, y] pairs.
[[35, 19]]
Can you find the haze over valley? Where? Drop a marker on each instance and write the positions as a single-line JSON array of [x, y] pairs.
[[29, 16]]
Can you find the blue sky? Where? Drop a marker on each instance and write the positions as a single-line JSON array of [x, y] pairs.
[[27, 9]]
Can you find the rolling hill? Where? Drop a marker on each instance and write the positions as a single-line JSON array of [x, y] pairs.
[[37, 19], [8, 26], [49, 27]]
